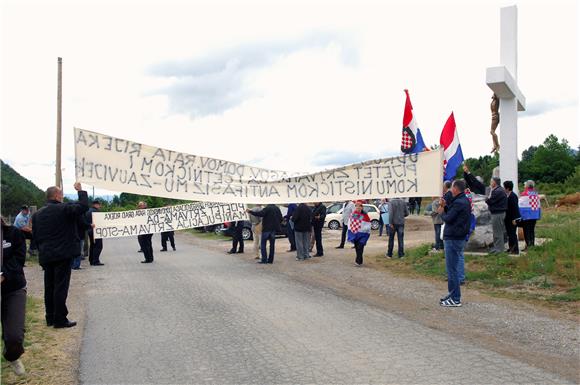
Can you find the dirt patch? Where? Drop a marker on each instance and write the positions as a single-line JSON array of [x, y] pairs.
[[569, 200]]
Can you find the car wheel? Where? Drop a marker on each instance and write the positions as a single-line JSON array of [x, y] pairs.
[[218, 229], [333, 225], [375, 224], [246, 234]]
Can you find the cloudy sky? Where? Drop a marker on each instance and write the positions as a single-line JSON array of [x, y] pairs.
[[295, 85]]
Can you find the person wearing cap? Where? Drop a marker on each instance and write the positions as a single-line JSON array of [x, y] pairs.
[[95, 245], [22, 223], [497, 203]]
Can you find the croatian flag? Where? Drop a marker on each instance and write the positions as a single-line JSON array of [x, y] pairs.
[[453, 156], [412, 141], [359, 227], [530, 207]]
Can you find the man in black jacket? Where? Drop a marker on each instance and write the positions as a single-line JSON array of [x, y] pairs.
[[456, 216], [318, 218], [237, 238], [272, 216], [474, 184], [302, 218], [145, 239], [497, 204], [56, 235], [512, 216], [95, 245]]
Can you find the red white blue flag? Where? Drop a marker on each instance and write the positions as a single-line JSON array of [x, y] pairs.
[[453, 156], [530, 206], [359, 227], [412, 140]]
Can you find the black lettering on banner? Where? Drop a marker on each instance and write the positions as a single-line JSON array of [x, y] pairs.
[[146, 165], [94, 140], [412, 185], [145, 180], [108, 143], [349, 187], [81, 138]]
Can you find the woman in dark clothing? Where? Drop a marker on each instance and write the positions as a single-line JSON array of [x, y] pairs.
[[13, 295]]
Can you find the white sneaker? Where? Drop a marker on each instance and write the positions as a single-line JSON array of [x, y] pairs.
[[18, 367]]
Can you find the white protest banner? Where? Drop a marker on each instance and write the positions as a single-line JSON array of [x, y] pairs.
[[170, 218], [122, 165]]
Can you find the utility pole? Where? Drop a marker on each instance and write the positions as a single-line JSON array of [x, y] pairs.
[[59, 126]]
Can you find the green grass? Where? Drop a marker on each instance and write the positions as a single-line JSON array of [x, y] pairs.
[[550, 271], [35, 342]]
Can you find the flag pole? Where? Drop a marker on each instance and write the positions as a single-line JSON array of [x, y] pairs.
[[58, 175]]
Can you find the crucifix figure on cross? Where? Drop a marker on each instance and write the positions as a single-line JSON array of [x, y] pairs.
[[503, 82]]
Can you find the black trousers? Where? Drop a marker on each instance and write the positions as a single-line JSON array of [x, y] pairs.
[[512, 234], [359, 248], [95, 248], [56, 284], [13, 316], [343, 235], [165, 236], [146, 246], [318, 237], [238, 239], [529, 232]]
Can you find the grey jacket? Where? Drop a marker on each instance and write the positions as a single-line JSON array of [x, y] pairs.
[[437, 220], [399, 210], [348, 209]]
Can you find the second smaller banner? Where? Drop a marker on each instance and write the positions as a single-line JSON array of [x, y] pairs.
[[170, 218]]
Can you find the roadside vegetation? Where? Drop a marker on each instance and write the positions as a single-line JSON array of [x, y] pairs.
[[40, 354], [549, 273]]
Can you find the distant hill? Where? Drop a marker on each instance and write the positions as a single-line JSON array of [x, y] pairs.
[[18, 191]]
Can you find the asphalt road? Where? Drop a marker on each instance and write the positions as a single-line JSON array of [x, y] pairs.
[[196, 316]]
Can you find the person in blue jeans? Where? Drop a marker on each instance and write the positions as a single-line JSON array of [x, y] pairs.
[[457, 217], [271, 219]]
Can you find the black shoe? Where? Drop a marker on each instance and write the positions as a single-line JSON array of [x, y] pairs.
[[319, 255], [146, 261], [270, 262], [339, 247], [163, 250], [67, 324], [76, 268], [174, 249], [462, 283], [98, 264], [231, 252], [261, 263], [49, 323]]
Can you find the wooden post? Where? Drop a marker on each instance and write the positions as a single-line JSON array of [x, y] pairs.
[[58, 175]]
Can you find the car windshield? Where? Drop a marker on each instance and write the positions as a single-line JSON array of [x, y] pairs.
[[334, 208], [369, 209]]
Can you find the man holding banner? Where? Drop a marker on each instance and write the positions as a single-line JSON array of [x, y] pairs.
[[145, 240]]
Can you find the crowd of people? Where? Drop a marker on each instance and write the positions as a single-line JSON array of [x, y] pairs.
[[58, 230]]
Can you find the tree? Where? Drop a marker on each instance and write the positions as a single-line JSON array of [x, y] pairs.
[[551, 162], [18, 191]]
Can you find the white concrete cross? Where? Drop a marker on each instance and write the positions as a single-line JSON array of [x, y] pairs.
[[503, 82]]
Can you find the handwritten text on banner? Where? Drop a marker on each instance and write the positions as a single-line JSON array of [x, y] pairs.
[[170, 218], [121, 165]]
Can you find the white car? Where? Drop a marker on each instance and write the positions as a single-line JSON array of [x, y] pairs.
[[334, 216]]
